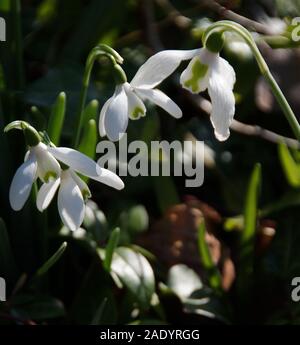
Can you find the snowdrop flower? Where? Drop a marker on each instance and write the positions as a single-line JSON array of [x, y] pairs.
[[72, 190], [128, 99], [207, 70], [38, 163]]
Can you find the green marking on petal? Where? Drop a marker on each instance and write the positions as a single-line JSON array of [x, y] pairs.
[[199, 71], [86, 194], [50, 175], [137, 113]]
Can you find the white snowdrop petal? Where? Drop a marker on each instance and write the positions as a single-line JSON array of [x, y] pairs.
[[159, 66], [136, 107], [102, 116], [162, 100], [22, 182], [46, 194], [85, 191], [48, 167], [227, 72], [86, 166], [70, 202], [116, 118], [223, 105]]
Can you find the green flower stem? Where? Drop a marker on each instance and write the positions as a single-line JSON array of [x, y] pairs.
[[244, 33], [115, 58]]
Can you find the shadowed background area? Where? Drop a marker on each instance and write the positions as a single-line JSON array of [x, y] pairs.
[[168, 267]]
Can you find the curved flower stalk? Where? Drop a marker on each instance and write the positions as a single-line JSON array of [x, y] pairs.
[[128, 99], [96, 52], [226, 25]]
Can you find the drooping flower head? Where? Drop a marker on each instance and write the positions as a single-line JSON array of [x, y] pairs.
[[39, 163], [128, 99], [206, 70], [43, 161]]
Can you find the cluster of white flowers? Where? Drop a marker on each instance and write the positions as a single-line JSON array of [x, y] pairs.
[[206, 70], [57, 167], [42, 161]]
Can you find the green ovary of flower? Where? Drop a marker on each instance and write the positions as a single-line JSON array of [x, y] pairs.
[[199, 71]]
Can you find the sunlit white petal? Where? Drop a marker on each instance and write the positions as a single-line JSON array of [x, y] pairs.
[[116, 117], [136, 107], [85, 191], [46, 194], [70, 202], [159, 66], [48, 167], [162, 100], [86, 166], [102, 116], [227, 72], [223, 105], [22, 182]]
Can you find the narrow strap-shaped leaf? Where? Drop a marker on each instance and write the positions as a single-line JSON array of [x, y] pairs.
[[212, 271], [91, 111], [290, 167], [89, 139], [247, 239], [250, 211], [110, 248], [57, 117], [53, 259]]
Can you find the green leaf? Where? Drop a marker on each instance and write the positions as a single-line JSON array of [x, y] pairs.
[[110, 248], [290, 167], [247, 239], [91, 111], [38, 119], [54, 258], [57, 117], [89, 139], [212, 271], [250, 211], [136, 274]]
